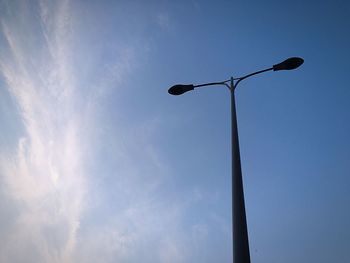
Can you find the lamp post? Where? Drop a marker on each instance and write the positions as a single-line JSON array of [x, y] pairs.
[[239, 222]]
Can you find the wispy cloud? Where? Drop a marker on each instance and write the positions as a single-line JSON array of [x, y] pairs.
[[76, 188], [45, 176]]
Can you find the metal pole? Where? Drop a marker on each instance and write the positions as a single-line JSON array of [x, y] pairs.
[[239, 222]]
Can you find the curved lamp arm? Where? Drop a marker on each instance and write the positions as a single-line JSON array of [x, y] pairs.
[[288, 64], [182, 88], [251, 74]]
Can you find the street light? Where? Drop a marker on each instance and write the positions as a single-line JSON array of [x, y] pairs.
[[239, 222]]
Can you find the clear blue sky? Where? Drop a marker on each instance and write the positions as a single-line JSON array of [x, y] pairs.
[[98, 163]]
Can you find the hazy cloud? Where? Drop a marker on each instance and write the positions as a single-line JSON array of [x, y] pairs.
[[75, 188], [44, 176]]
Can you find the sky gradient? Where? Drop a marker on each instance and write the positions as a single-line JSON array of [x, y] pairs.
[[98, 163]]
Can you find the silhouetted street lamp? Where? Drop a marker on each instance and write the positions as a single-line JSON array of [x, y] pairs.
[[239, 222]]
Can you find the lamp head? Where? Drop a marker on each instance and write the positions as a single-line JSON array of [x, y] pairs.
[[180, 89], [288, 64]]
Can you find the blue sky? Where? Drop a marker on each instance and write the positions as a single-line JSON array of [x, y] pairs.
[[99, 163]]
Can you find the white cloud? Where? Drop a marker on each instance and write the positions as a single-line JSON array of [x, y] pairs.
[[45, 176], [76, 188]]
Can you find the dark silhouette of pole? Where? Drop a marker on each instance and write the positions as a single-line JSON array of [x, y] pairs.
[[239, 222]]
